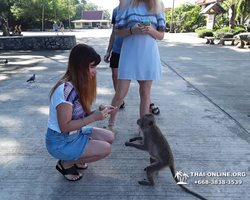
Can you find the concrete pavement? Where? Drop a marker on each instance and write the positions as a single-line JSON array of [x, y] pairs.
[[204, 102]]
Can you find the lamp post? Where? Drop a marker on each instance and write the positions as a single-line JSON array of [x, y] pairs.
[[172, 15]]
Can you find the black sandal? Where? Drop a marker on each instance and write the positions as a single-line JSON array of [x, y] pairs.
[[155, 110], [123, 105], [70, 171]]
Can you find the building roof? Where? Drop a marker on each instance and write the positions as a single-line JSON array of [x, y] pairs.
[[92, 15], [86, 20], [167, 9], [204, 2], [212, 9]]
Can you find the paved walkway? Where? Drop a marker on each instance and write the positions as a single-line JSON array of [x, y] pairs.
[[204, 102]]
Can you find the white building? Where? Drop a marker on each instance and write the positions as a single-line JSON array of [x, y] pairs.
[[92, 19]]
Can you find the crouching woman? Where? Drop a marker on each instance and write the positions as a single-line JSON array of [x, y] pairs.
[[67, 138]]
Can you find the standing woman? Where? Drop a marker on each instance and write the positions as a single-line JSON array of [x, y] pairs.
[[67, 138], [140, 46], [19, 29], [61, 26]]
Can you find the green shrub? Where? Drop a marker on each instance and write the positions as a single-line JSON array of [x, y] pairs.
[[241, 26], [205, 32], [235, 31], [199, 29]]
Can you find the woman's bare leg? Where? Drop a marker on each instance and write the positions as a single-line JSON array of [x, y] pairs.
[[145, 90], [114, 77], [103, 135], [120, 94], [99, 134], [95, 150]]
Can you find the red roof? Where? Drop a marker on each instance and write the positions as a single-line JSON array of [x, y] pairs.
[[204, 2], [92, 15]]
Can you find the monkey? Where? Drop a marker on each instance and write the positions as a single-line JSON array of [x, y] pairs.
[[161, 156]]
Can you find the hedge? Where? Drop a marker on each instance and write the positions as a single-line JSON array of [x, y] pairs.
[[235, 31], [205, 32], [202, 32], [199, 29]]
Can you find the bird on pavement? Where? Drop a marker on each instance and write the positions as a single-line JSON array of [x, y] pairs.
[[32, 78], [6, 61]]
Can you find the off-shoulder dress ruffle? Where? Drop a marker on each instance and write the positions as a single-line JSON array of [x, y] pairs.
[[139, 59]]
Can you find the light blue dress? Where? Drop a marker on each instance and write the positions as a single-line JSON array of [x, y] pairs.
[[139, 59]]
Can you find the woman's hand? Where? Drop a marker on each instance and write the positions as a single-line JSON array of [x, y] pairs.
[[100, 115], [138, 28], [111, 109], [101, 107], [146, 29], [106, 57]]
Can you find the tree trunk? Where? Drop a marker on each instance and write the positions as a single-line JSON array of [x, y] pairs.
[[232, 15], [55, 9], [43, 15], [243, 18], [5, 31], [5, 27]]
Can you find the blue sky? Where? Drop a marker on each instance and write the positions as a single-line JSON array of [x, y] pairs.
[[110, 4]]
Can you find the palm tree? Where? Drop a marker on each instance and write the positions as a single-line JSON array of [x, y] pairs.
[[178, 175], [185, 176]]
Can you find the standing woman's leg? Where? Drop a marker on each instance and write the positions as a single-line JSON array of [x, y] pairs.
[[145, 90], [114, 77], [120, 94]]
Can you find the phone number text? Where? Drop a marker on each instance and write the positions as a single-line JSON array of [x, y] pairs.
[[219, 182]]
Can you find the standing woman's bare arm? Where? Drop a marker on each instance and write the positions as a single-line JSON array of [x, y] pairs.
[[111, 40], [120, 32], [110, 47], [157, 34]]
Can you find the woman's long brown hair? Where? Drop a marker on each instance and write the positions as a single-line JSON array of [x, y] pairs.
[[78, 74]]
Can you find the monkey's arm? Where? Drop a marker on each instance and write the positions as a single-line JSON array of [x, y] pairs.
[[135, 138], [137, 146]]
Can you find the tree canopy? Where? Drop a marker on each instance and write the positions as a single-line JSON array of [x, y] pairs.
[[186, 18], [29, 13]]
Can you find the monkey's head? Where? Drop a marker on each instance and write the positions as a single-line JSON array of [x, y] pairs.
[[146, 121]]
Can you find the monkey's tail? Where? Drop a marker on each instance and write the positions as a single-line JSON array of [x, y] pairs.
[[183, 187]]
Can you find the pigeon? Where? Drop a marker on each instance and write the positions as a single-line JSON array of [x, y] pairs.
[[6, 61], [32, 78]]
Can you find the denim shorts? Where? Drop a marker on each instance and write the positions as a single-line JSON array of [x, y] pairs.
[[67, 147]]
